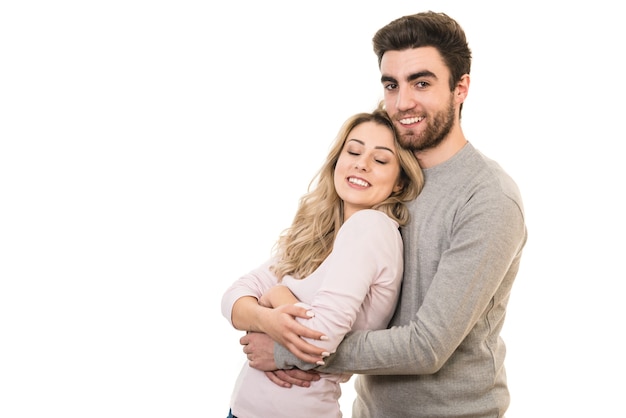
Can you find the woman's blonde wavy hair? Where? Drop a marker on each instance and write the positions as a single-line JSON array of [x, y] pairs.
[[303, 246]]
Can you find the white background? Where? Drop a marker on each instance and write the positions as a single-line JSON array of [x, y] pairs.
[[151, 152]]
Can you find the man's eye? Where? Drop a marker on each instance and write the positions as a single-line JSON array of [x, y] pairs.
[[390, 86], [422, 84]]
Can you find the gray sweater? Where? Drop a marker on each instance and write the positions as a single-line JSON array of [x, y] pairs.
[[442, 355]]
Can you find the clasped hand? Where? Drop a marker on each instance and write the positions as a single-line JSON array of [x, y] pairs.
[[281, 326]]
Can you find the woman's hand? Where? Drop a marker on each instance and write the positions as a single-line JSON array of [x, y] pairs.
[[276, 296], [280, 324]]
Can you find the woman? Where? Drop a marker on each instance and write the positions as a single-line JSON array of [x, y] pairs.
[[342, 257]]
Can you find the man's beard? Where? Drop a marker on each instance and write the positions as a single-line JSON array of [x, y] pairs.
[[438, 127]]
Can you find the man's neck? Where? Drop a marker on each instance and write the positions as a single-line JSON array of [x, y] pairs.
[[453, 143]]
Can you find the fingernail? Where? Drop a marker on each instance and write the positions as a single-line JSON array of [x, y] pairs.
[[324, 338], [310, 313], [325, 354], [320, 363]]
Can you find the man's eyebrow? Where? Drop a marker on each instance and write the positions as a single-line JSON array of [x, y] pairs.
[[388, 79], [420, 74], [411, 77]]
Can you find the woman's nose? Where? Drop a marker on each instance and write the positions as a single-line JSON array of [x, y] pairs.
[[361, 164]]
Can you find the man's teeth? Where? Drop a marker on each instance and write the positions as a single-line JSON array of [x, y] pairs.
[[358, 182], [409, 121]]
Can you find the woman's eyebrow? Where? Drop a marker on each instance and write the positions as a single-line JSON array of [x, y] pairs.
[[376, 147], [385, 148]]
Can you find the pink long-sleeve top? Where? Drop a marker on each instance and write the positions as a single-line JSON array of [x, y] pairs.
[[356, 287]]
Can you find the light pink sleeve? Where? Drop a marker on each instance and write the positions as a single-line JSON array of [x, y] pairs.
[[362, 278], [255, 283]]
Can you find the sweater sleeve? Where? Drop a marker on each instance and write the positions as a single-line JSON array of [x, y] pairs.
[[485, 243], [360, 278], [255, 283]]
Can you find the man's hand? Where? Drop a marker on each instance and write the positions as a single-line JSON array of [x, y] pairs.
[[259, 348], [281, 325], [287, 378]]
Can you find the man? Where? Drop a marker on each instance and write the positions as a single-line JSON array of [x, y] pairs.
[[442, 355]]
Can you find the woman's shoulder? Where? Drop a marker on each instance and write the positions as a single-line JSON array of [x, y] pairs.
[[371, 233], [371, 218]]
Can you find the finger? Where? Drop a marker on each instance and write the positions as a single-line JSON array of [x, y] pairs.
[[297, 311], [306, 332], [304, 375], [305, 347], [285, 377], [274, 378], [313, 358], [303, 331]]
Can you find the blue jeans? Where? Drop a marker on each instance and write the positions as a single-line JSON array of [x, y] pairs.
[[230, 414]]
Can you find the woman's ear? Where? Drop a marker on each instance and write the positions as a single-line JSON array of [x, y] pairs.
[[398, 187]]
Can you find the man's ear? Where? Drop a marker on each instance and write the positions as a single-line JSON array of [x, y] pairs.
[[462, 89]]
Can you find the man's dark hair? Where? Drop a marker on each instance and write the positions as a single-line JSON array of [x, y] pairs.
[[427, 29]]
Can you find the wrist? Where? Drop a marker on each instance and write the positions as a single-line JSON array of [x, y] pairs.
[[260, 319]]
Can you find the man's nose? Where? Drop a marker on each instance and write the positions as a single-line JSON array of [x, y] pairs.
[[404, 99]]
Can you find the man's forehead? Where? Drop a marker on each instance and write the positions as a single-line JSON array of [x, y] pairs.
[[404, 63]]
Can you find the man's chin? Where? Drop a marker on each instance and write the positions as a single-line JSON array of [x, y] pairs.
[[410, 141]]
